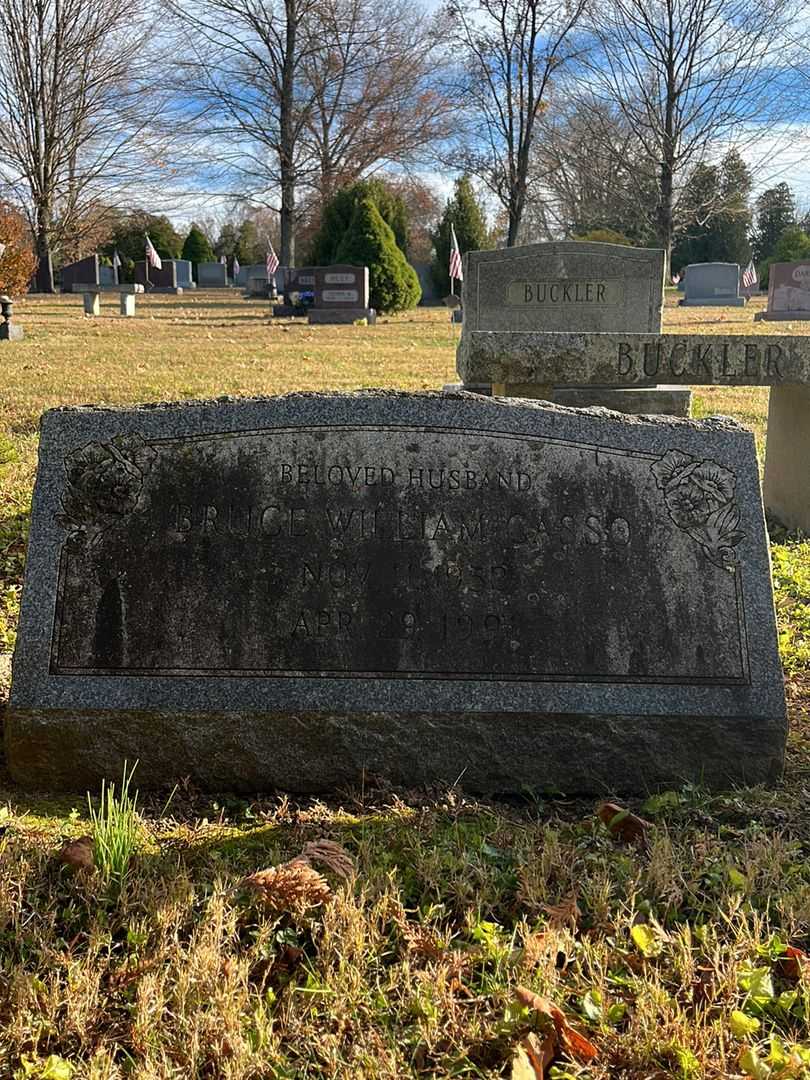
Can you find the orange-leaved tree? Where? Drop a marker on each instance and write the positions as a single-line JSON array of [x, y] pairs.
[[17, 262]]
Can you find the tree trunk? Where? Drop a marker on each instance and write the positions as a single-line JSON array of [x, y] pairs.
[[44, 271], [287, 138]]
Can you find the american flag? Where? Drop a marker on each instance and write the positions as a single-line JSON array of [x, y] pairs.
[[236, 267], [676, 279], [455, 257], [224, 260], [152, 256], [271, 262], [116, 260], [749, 276]]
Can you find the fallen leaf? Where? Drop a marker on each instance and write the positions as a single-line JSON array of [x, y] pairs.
[[627, 827], [565, 913], [792, 962], [570, 1039], [532, 1055], [331, 855], [78, 853]]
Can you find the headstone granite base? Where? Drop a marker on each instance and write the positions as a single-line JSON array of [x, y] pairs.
[[299, 592], [340, 316]]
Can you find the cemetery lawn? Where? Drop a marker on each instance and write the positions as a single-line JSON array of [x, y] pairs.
[[675, 952]]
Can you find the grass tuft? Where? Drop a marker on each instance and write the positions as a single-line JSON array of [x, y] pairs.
[[116, 831]]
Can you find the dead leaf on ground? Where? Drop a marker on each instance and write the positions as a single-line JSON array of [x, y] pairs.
[[533, 1055], [78, 854], [566, 913], [571, 1040], [293, 886], [333, 856], [793, 963], [627, 827]]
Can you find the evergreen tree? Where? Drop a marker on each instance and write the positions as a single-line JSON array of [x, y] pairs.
[[338, 213], [775, 212], [465, 214], [370, 241], [129, 237], [716, 205], [197, 247], [227, 241], [733, 223], [793, 245], [248, 249]]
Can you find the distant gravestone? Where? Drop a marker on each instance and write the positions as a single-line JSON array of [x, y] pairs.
[[184, 274], [341, 295], [298, 284], [299, 592], [212, 275], [107, 276], [572, 286], [253, 270], [788, 292], [84, 272], [158, 280], [713, 284]]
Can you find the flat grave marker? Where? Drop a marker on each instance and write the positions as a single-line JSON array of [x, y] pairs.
[[297, 592]]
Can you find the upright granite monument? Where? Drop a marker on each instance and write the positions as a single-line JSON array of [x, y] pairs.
[[212, 275], [714, 284], [84, 272], [571, 286], [341, 295], [297, 592], [788, 293]]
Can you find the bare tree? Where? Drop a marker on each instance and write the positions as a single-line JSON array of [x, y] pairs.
[[241, 62], [510, 51], [688, 76], [77, 115], [588, 171], [374, 97]]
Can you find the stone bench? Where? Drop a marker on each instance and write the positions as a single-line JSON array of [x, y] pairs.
[[519, 364], [92, 297]]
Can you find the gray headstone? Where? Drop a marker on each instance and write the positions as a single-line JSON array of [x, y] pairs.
[[341, 286], [107, 275], [212, 275], [254, 270], [183, 271], [788, 292], [83, 272], [297, 592], [566, 285], [713, 284]]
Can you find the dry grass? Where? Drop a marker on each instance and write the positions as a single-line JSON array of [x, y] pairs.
[[406, 957]]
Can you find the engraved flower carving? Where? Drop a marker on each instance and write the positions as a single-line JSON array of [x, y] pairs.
[[105, 481], [699, 496]]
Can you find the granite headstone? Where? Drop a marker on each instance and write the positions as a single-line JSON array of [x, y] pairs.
[[297, 592], [341, 295], [788, 293], [212, 275], [572, 286], [713, 284], [83, 272]]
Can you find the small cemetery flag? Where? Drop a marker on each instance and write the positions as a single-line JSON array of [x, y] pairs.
[[676, 279], [271, 262], [236, 267], [152, 256], [749, 276], [455, 256], [224, 260], [116, 260]]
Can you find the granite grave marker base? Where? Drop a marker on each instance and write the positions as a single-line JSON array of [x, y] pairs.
[[340, 316], [11, 331], [298, 592], [639, 400]]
